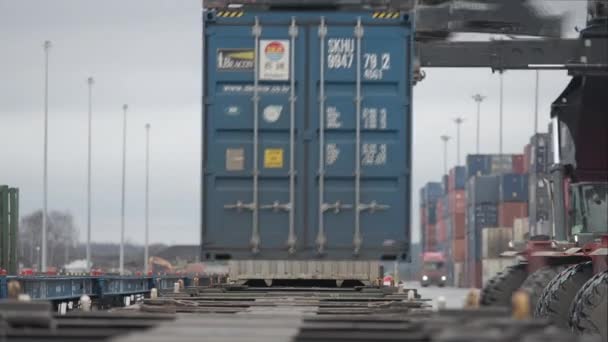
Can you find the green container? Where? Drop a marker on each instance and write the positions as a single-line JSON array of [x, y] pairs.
[[9, 228]]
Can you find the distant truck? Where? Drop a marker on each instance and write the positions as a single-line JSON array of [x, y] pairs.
[[433, 269]]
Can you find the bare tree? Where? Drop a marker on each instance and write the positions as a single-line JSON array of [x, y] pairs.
[[62, 238]]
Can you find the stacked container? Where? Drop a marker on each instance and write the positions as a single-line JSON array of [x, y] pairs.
[[482, 195], [513, 196], [429, 195], [455, 217]]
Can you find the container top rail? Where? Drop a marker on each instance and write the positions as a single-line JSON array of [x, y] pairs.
[[404, 5]]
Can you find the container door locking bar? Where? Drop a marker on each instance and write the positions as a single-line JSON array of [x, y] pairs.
[[357, 239], [291, 239], [321, 238], [256, 31]]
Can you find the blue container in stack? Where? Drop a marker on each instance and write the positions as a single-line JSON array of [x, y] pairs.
[[478, 164], [513, 188], [482, 211]]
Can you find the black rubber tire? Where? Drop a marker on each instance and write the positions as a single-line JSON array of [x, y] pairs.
[[538, 280], [499, 289], [556, 299], [589, 311]]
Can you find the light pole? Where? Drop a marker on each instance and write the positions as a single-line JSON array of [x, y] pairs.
[[458, 121], [536, 91], [146, 255], [90, 82], [478, 98], [500, 112], [122, 206], [38, 261], [445, 139], [47, 48]]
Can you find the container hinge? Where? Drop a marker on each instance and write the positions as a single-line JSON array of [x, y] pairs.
[[276, 206], [240, 206], [373, 206]]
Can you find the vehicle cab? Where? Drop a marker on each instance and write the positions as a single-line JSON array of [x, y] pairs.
[[434, 270]]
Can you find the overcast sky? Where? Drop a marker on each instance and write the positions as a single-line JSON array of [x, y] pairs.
[[147, 53]]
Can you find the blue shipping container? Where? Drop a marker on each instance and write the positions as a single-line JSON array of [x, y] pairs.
[[445, 183], [430, 193], [478, 164], [460, 177], [479, 217], [306, 135], [513, 188], [482, 189]]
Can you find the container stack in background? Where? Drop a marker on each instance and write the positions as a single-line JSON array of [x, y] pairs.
[[495, 199], [455, 222], [429, 195]]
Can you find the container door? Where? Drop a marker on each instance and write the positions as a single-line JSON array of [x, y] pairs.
[[359, 86], [253, 112]]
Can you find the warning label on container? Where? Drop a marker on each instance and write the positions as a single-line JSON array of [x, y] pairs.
[[273, 158], [235, 59], [274, 60]]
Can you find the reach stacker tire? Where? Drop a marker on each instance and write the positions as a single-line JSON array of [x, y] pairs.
[[538, 280], [556, 299], [500, 288], [589, 311]]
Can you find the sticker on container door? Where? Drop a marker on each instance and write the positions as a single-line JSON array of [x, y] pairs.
[[272, 113], [235, 159], [274, 60], [235, 59], [273, 158]]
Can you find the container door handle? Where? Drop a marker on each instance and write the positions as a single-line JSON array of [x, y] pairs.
[[336, 207], [240, 206], [276, 206], [357, 238], [321, 238], [373, 207]]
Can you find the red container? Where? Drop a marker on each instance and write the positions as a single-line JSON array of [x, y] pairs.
[[518, 164], [430, 242], [458, 250], [477, 280], [442, 231], [458, 202], [422, 216], [459, 227], [527, 158], [439, 210], [473, 274], [509, 211]]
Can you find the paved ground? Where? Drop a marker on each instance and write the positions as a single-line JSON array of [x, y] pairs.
[[454, 296]]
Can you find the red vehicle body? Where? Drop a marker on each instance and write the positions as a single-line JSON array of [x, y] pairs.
[[433, 269]]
